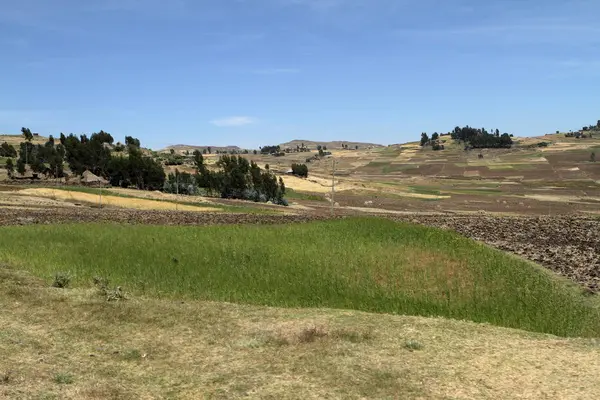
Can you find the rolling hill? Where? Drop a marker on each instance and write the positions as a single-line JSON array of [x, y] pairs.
[[311, 144]]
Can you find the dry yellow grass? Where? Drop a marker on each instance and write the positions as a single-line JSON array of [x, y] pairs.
[[113, 201], [312, 184], [560, 198], [16, 140], [156, 195], [72, 344]]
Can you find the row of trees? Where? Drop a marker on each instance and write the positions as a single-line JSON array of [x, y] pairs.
[[93, 154], [236, 178], [481, 138], [473, 137]]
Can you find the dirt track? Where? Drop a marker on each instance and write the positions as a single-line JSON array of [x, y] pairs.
[[569, 246]]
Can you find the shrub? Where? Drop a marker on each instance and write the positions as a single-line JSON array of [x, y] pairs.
[[63, 379], [104, 289], [300, 170], [413, 345], [10, 167], [61, 280]]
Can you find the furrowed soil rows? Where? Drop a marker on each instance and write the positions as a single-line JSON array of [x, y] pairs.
[[14, 216]]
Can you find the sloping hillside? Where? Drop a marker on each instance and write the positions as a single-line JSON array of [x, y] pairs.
[[311, 144], [182, 148]]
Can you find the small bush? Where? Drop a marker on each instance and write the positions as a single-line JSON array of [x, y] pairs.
[[115, 294], [63, 379], [300, 170], [104, 289], [132, 355], [61, 280], [413, 345]]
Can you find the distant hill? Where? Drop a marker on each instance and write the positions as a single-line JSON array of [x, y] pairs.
[[330, 145], [180, 148], [15, 140]]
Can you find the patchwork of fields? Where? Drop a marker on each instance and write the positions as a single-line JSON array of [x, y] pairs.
[[168, 296]]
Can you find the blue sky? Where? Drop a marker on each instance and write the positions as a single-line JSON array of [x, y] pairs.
[[255, 72]]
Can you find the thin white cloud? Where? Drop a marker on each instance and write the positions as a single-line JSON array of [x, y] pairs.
[[234, 121], [276, 71], [564, 34]]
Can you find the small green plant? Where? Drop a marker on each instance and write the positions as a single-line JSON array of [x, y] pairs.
[[413, 345], [61, 280], [104, 289], [593, 157], [133, 355], [115, 294], [63, 379]]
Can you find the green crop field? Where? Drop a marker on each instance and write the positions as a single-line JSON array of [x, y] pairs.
[[364, 264], [291, 194]]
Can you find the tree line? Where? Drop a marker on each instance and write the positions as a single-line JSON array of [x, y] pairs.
[[478, 138], [236, 178]]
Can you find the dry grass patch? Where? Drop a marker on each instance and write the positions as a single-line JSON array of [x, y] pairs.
[[113, 201], [71, 344]]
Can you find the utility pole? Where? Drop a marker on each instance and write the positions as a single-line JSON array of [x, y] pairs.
[[177, 190], [333, 187]]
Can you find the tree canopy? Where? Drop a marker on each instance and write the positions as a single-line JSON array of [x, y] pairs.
[[481, 138]]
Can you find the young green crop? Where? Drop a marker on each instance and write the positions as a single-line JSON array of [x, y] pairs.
[[360, 263]]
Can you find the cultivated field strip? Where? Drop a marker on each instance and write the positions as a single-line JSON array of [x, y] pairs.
[[569, 246], [26, 216]]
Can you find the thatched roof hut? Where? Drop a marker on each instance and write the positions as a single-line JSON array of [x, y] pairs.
[[89, 179]]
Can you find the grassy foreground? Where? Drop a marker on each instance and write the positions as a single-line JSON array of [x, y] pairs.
[[363, 264], [72, 344]]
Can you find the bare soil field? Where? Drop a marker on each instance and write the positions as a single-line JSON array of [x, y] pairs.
[[22, 216]]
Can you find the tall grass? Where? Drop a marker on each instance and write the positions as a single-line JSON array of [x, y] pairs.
[[291, 194], [365, 264]]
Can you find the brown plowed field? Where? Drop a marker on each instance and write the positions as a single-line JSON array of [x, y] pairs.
[[25, 216]]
